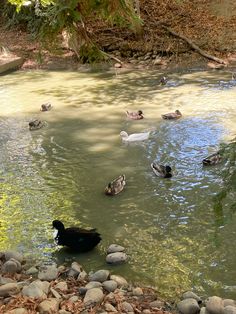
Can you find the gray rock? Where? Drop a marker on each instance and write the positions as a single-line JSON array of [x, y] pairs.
[[229, 302], [229, 309], [110, 285], [121, 281], [137, 291], [62, 285], [82, 290], [110, 308], [214, 305], [188, 306], [157, 304], [4, 280], [33, 291], [48, 272], [204, 310], [116, 258], [20, 310], [126, 307], [113, 248], [48, 306], [13, 254], [93, 296], [9, 289], [75, 269], [93, 284], [117, 65], [64, 312], [31, 271], [11, 266], [82, 276], [100, 275], [191, 295]]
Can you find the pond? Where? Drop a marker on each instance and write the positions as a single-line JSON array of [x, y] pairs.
[[175, 236]]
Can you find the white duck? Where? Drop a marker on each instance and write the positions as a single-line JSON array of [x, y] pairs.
[[134, 137]]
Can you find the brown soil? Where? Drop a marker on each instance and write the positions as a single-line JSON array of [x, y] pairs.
[[213, 33]]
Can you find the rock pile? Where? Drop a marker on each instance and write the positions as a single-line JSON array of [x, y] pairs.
[[193, 304], [48, 289]]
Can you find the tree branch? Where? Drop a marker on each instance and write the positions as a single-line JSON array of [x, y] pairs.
[[194, 46]]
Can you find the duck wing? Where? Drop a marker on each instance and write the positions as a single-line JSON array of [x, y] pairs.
[[138, 137], [80, 240], [159, 170]]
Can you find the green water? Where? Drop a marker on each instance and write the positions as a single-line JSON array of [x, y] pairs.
[[175, 236]]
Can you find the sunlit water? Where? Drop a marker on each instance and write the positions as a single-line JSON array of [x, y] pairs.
[[172, 232]]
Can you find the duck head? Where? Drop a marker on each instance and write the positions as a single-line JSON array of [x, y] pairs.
[[178, 112], [124, 135], [168, 169], [57, 224], [140, 113]]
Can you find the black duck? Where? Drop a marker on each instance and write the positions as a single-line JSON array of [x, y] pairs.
[[77, 239]]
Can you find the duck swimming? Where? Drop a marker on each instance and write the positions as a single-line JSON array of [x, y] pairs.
[[163, 81], [134, 137], [35, 125], [46, 107], [116, 186], [213, 159], [135, 115], [172, 115], [161, 171], [77, 239]]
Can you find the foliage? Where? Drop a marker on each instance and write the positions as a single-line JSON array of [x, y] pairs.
[[47, 19]]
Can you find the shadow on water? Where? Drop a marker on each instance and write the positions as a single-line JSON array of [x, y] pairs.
[[177, 234]]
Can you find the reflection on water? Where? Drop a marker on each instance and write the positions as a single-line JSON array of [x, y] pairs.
[[176, 235]]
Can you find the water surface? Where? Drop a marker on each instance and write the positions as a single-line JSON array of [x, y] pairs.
[[175, 236]]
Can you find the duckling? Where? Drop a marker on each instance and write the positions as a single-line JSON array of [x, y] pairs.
[[116, 186], [161, 171], [172, 115], [46, 107], [35, 125], [213, 159], [163, 80], [77, 239], [134, 137], [135, 115]]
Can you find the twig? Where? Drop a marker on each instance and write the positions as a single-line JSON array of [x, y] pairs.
[[112, 57]]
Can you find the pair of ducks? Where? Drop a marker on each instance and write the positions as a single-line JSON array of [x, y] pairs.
[[38, 124], [116, 186], [168, 116]]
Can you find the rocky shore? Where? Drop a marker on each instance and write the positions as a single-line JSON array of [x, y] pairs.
[[48, 289]]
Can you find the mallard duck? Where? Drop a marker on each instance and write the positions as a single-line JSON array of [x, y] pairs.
[[233, 76], [213, 159], [134, 137], [77, 239], [172, 115], [46, 107], [116, 186], [163, 81], [135, 115], [35, 125], [161, 171]]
